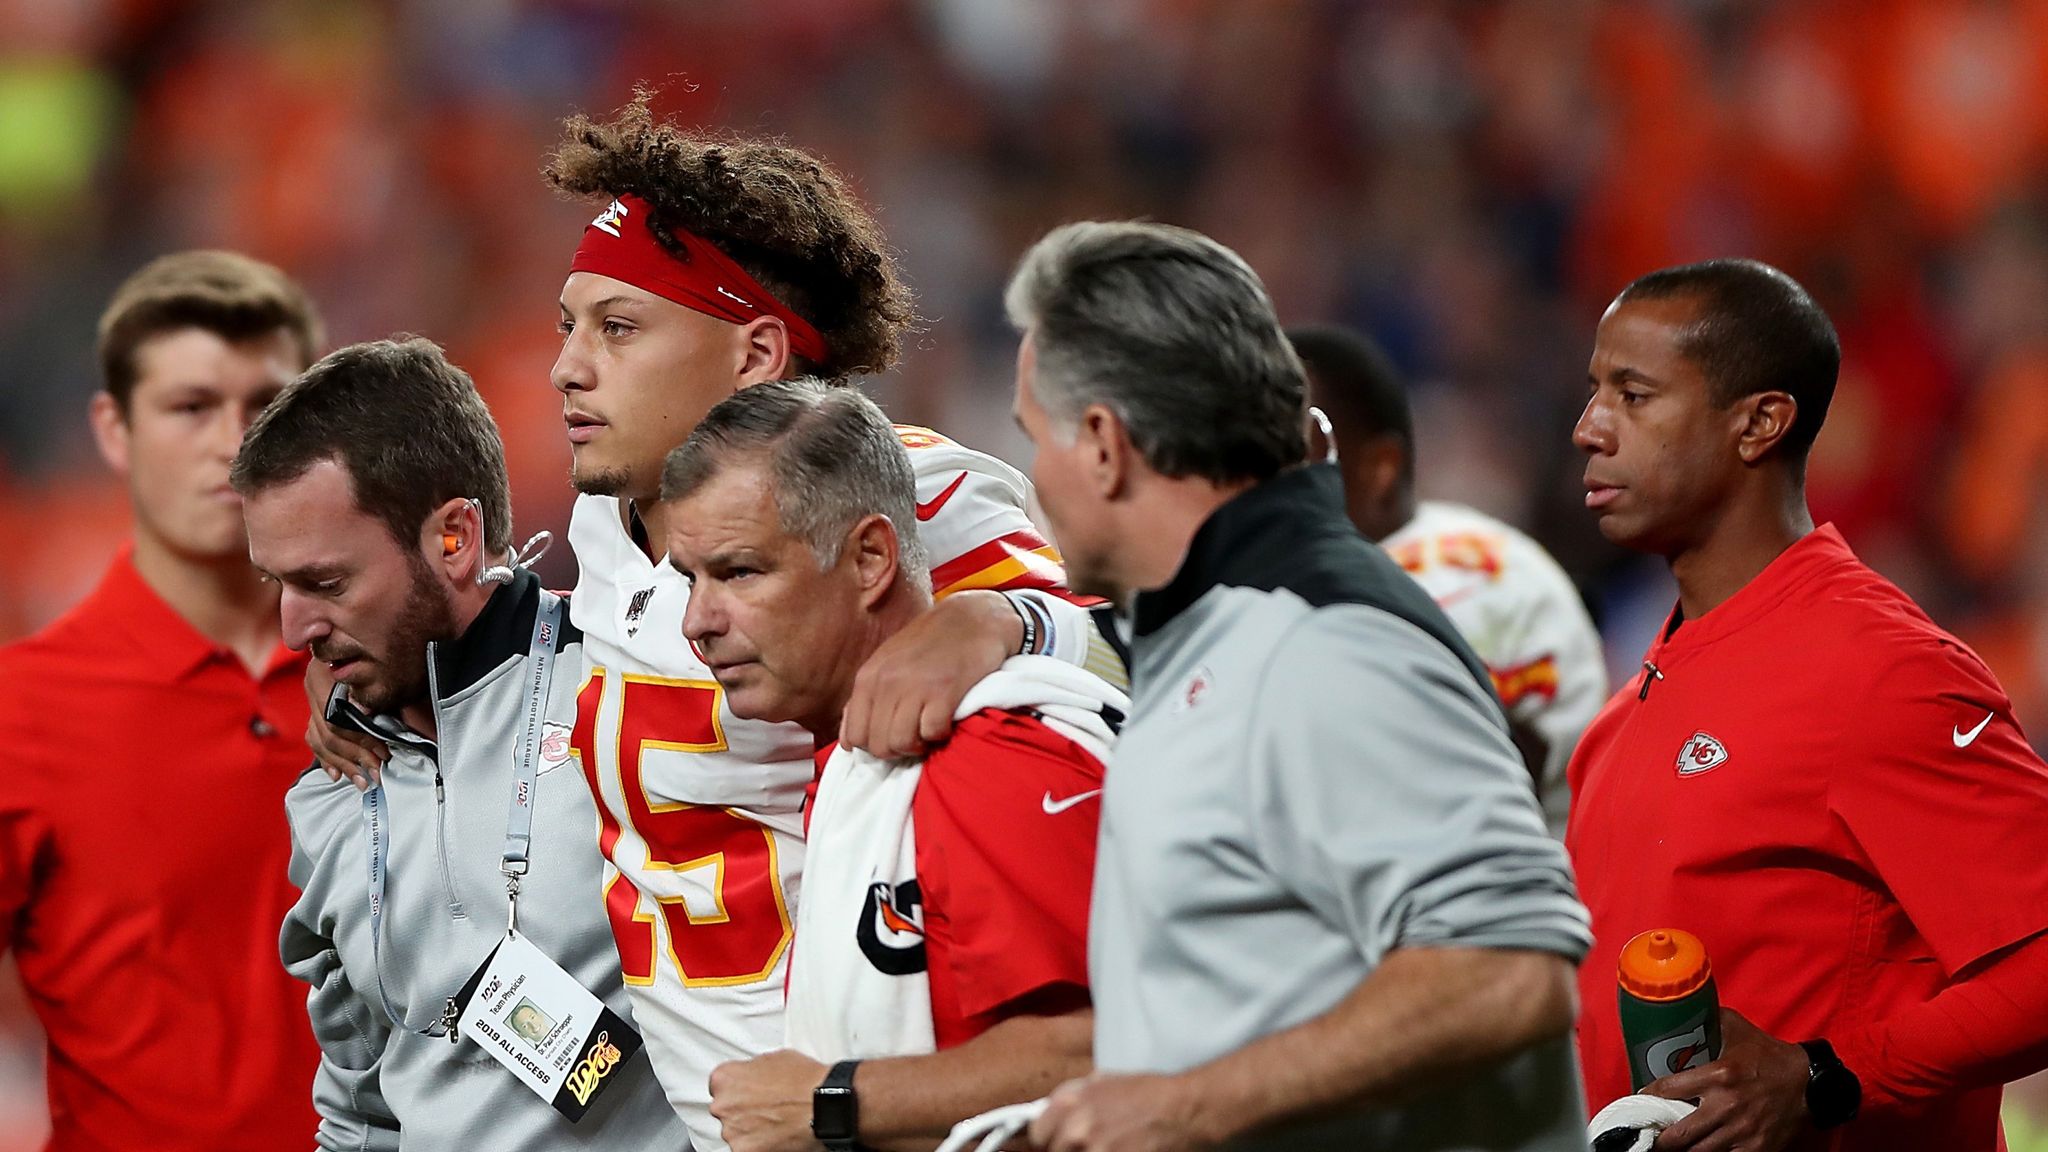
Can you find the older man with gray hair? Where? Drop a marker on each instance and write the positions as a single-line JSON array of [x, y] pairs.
[[1326, 912], [940, 958]]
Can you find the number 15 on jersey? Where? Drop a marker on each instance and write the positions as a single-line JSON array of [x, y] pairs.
[[708, 873]]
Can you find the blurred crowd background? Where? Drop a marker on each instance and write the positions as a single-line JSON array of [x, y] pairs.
[[1468, 180]]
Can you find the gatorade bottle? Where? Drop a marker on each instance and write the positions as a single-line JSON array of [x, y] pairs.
[[1670, 1013]]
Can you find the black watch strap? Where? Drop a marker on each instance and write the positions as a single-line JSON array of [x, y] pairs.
[[1833, 1094], [835, 1110]]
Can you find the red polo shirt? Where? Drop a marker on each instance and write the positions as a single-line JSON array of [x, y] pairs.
[[143, 853], [1831, 792]]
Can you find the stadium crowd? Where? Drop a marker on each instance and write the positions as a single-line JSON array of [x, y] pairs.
[[1471, 183]]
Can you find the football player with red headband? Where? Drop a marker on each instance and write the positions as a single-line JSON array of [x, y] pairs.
[[716, 263]]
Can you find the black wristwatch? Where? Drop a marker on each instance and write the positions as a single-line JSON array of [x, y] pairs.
[[1833, 1094], [835, 1110]]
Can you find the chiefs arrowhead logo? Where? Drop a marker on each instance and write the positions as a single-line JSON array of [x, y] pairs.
[[1701, 753], [554, 745]]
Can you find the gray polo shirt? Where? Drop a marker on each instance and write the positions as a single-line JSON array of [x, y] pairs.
[[1315, 773]]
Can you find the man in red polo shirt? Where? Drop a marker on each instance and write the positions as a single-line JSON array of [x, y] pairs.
[[151, 734], [1808, 774]]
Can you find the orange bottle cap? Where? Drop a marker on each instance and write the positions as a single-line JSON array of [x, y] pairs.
[[1664, 964]]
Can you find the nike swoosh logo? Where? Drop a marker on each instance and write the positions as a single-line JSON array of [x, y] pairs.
[[928, 510], [1055, 807], [1965, 739]]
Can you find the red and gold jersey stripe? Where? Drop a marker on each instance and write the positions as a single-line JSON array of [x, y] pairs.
[[916, 437], [1538, 677], [1018, 560]]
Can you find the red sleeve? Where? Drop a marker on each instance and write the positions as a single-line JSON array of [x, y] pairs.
[[1989, 1028], [1946, 798], [1005, 817], [24, 825], [21, 846]]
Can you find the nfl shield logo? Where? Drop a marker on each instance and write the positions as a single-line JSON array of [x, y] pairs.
[[1701, 753]]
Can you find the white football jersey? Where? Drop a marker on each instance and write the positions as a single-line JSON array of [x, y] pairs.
[[700, 813], [1523, 617]]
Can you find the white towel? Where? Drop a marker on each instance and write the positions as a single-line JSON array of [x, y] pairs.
[[862, 850], [1631, 1124], [992, 1129]]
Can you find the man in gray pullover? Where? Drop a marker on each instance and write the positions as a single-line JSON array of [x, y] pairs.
[[1326, 913], [375, 491]]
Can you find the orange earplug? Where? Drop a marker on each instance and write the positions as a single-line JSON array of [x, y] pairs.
[[450, 543]]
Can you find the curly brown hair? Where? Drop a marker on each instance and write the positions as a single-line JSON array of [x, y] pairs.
[[782, 214]]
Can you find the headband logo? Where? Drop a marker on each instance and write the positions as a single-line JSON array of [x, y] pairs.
[[608, 220]]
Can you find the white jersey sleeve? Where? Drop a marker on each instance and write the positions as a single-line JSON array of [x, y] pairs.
[[1523, 618], [972, 518]]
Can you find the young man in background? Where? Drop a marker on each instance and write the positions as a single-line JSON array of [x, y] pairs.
[[152, 732]]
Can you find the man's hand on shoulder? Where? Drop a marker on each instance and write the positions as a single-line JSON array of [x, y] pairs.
[[1108, 1112], [1753, 1099], [904, 696], [764, 1104], [339, 752]]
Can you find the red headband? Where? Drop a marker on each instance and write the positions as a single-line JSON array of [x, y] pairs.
[[619, 244]]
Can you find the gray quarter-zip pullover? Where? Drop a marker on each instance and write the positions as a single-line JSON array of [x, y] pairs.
[[1316, 773], [389, 1084]]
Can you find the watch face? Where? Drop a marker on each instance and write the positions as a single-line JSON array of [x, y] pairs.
[[832, 1114], [1833, 1093], [1837, 1091]]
